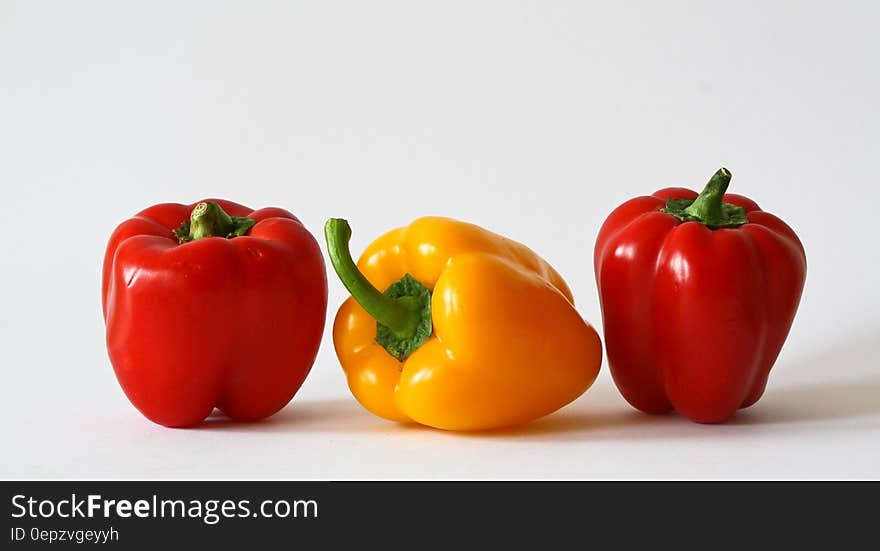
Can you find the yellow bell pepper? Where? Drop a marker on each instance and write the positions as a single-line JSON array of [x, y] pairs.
[[473, 332]]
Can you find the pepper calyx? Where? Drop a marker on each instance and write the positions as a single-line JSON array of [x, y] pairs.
[[709, 207], [400, 344], [208, 219]]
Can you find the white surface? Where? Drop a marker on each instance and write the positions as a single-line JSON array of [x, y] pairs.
[[532, 119]]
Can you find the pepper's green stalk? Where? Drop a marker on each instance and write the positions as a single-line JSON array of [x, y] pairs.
[[210, 220], [709, 207], [402, 312]]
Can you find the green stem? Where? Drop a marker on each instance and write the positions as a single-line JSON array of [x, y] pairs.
[[401, 315], [709, 207], [208, 219]]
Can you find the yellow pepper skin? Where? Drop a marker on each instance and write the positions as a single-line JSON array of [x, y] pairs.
[[507, 345]]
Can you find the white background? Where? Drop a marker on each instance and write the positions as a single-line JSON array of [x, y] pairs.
[[533, 119]]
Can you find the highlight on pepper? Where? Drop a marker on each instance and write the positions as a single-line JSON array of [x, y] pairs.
[[452, 326]]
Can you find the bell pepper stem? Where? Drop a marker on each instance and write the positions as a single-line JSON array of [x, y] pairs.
[[707, 205], [401, 315], [208, 219]]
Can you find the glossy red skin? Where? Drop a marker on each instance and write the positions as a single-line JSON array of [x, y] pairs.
[[694, 318], [228, 323]]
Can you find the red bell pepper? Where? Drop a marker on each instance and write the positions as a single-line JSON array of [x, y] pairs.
[[210, 306], [698, 294]]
